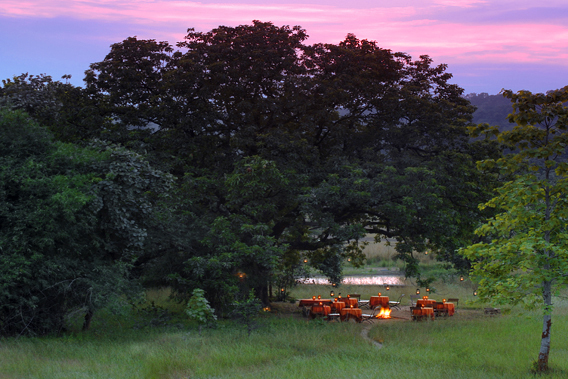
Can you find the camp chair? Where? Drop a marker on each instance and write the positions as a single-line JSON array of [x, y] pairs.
[[396, 304], [370, 317]]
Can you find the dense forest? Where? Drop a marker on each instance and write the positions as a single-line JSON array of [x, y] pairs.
[[491, 109], [239, 159]]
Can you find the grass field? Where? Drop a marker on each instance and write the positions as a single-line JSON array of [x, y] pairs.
[[158, 342], [468, 345]]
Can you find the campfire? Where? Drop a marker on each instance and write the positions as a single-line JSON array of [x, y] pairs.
[[384, 313]]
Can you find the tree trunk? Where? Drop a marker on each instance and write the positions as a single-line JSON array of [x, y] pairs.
[[88, 318], [262, 294], [542, 364]]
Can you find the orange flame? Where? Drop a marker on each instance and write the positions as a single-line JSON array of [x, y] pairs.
[[384, 313]]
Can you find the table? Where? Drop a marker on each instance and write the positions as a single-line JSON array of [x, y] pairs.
[[348, 312], [310, 302], [425, 303], [383, 301], [350, 301], [320, 310], [337, 306], [449, 308], [419, 313]]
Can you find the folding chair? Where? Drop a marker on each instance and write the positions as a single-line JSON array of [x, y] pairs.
[[396, 304], [370, 317]]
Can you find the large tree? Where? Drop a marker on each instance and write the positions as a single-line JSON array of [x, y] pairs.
[[363, 140], [73, 222], [523, 258]]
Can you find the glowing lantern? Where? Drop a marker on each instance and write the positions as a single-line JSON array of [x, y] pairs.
[[418, 291], [331, 294]]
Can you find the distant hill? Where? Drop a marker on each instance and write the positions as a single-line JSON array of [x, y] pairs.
[[492, 109]]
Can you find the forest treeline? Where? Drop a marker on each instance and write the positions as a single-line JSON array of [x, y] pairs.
[[238, 159], [491, 109]]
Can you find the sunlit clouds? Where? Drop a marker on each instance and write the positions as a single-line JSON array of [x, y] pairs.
[[455, 32]]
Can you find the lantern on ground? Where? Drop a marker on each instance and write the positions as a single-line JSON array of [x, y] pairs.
[[305, 260], [388, 288], [461, 278], [475, 293], [332, 294], [418, 291]]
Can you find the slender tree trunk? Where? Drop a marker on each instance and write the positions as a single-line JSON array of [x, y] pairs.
[[546, 328], [88, 318], [542, 364]]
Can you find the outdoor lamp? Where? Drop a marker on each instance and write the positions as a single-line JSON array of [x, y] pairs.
[[418, 291], [426, 252], [348, 259], [443, 300], [282, 290], [331, 294], [461, 278], [428, 290], [474, 293], [351, 305], [313, 297], [319, 297], [321, 303], [305, 260], [348, 296], [339, 296], [379, 294], [388, 288]]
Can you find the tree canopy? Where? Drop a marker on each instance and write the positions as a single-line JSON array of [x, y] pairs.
[[522, 258], [363, 140], [282, 152], [73, 222]]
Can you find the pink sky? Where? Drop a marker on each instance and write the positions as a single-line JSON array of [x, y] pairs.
[[488, 45]]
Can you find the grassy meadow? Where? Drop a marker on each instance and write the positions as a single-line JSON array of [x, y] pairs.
[[156, 341]]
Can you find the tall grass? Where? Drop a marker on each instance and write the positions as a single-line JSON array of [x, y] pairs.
[[468, 345]]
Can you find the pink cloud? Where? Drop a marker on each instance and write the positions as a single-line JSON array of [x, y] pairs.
[[412, 29]]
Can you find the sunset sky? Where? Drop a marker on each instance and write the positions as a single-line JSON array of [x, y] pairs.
[[488, 45]]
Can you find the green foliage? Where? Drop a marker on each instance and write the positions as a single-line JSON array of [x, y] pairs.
[[72, 224], [199, 310], [246, 311], [282, 150], [522, 258]]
